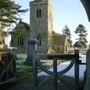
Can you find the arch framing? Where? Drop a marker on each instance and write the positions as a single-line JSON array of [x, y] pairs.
[[86, 4]]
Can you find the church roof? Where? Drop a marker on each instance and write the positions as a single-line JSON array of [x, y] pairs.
[[58, 38], [22, 26], [20, 29]]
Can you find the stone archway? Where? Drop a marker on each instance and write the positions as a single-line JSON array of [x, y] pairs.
[[86, 4]]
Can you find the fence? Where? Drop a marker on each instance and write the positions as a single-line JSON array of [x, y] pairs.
[[7, 68]]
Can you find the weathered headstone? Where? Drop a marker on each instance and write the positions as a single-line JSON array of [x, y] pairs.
[[32, 46]]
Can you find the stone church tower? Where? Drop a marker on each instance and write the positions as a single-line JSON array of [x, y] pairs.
[[41, 23]]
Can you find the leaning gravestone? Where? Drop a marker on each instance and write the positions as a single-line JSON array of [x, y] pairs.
[[32, 45]]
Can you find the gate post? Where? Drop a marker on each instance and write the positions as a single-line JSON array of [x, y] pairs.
[[87, 85], [32, 55], [55, 73], [35, 81], [76, 69]]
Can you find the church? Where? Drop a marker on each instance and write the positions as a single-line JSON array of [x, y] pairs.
[[40, 28]]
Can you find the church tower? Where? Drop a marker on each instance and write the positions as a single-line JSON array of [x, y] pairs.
[[41, 23]]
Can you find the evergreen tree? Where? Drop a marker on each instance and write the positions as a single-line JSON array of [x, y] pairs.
[[9, 12], [81, 32], [66, 32]]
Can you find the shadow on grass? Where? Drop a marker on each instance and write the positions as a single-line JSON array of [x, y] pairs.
[[26, 83], [63, 83]]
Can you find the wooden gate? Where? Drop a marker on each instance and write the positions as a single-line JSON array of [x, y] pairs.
[[7, 68], [56, 75]]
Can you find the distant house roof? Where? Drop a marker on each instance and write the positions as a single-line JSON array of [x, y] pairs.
[[58, 38]]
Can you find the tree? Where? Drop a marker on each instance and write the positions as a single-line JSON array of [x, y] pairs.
[[66, 32], [82, 33], [9, 12]]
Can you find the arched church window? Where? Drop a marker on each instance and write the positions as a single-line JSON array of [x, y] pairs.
[[39, 39], [20, 41], [38, 13]]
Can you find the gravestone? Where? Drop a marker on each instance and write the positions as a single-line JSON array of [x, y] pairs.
[[32, 46]]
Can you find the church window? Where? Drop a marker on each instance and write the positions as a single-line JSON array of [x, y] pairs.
[[39, 39], [20, 41], [38, 13]]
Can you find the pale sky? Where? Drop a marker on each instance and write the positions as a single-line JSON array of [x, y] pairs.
[[66, 12]]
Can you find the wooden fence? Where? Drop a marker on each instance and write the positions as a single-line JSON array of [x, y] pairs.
[[7, 68]]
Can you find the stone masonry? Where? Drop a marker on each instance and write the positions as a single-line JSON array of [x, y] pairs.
[[41, 23]]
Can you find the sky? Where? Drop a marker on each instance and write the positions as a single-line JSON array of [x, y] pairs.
[[66, 12]]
